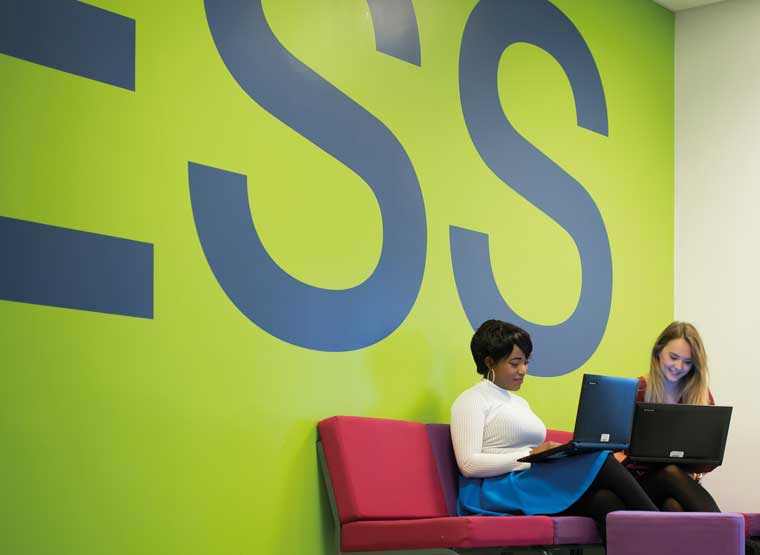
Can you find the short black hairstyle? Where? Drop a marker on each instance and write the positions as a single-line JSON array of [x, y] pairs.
[[496, 339]]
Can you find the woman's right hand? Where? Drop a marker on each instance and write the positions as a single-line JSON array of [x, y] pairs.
[[545, 446]]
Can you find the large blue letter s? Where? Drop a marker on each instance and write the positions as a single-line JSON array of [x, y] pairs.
[[308, 316], [492, 27]]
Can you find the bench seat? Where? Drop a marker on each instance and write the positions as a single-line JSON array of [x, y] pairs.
[[463, 532], [392, 487]]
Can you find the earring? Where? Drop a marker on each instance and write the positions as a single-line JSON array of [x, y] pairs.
[[491, 375]]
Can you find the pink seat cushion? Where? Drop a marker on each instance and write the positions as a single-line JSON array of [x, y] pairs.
[[456, 532], [559, 436], [381, 469]]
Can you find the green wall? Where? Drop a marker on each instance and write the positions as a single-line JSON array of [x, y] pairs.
[[193, 432]]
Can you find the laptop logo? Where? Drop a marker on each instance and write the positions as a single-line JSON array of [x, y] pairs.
[[605, 438], [676, 454]]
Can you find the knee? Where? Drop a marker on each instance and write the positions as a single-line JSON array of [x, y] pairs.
[[672, 471], [672, 506], [609, 500]]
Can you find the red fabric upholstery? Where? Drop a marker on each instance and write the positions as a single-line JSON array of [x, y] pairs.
[[559, 436], [456, 532], [381, 469], [752, 524]]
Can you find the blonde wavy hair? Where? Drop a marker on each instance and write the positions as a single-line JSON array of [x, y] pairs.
[[695, 384]]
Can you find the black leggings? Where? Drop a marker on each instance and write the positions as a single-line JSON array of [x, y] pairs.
[[613, 489], [672, 489]]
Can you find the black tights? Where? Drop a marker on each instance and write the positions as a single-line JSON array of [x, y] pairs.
[[672, 489], [613, 489]]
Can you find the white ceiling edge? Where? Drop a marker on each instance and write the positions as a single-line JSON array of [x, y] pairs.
[[678, 5]]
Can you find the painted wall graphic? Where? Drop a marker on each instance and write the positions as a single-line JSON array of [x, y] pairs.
[[314, 108], [223, 221], [50, 265], [491, 28]]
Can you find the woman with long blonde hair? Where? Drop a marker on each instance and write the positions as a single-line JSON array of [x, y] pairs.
[[678, 370], [678, 374]]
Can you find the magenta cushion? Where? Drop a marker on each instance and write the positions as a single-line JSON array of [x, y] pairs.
[[381, 469], [456, 532], [559, 436]]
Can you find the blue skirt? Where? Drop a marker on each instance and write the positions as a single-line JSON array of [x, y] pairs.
[[545, 488]]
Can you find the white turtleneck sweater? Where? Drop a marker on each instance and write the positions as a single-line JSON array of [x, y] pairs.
[[491, 428]]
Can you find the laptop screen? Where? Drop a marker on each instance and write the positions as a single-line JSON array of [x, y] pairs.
[[605, 409], [680, 433]]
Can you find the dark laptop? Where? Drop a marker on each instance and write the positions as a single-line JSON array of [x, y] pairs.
[[681, 434], [603, 421]]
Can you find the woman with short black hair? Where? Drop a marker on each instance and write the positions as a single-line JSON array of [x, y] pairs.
[[492, 427]]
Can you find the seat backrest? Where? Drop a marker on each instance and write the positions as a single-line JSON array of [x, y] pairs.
[[443, 451], [381, 469], [559, 436]]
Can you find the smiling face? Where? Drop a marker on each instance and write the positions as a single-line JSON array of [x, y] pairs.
[[678, 369], [675, 360], [509, 371]]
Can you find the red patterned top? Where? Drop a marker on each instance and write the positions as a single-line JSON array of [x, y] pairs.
[[641, 391]]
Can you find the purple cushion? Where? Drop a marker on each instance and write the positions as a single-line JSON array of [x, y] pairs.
[[448, 473], [637, 532], [575, 530]]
